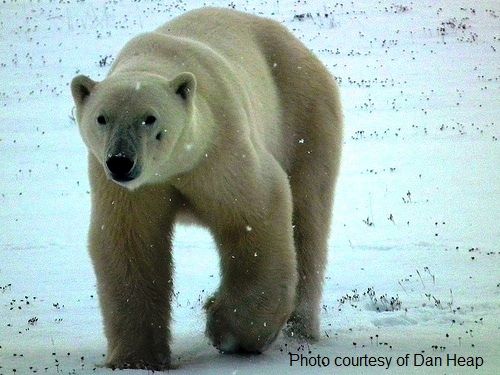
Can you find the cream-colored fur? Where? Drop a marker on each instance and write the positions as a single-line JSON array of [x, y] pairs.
[[246, 140]]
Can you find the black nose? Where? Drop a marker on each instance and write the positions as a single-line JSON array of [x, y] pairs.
[[120, 167]]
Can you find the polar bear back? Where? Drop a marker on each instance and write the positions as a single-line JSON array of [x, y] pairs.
[[275, 79]]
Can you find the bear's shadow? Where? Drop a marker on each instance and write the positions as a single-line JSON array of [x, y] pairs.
[[196, 353]]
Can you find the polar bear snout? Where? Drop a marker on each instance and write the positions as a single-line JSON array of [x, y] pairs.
[[121, 167]]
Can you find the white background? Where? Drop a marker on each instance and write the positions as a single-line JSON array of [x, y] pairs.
[[421, 114]]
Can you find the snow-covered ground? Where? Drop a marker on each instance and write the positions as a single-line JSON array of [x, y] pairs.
[[414, 251]]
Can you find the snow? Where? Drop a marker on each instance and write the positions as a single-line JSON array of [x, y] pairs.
[[413, 266]]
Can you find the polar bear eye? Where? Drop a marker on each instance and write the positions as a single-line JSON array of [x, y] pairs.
[[150, 120], [101, 120]]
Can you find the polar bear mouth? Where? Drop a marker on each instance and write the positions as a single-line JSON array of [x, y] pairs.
[[130, 182], [122, 168], [122, 178]]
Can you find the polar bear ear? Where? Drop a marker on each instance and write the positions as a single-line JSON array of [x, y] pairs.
[[184, 85], [81, 87]]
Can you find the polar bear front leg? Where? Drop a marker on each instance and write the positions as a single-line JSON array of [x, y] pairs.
[[130, 248], [259, 279]]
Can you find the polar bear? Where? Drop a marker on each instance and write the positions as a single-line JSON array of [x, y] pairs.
[[227, 119]]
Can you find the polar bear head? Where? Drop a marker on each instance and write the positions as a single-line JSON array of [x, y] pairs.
[[132, 123]]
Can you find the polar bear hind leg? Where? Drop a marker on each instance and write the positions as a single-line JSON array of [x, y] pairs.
[[312, 182]]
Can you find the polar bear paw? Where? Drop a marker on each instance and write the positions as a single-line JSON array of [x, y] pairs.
[[157, 362], [303, 326], [235, 329]]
